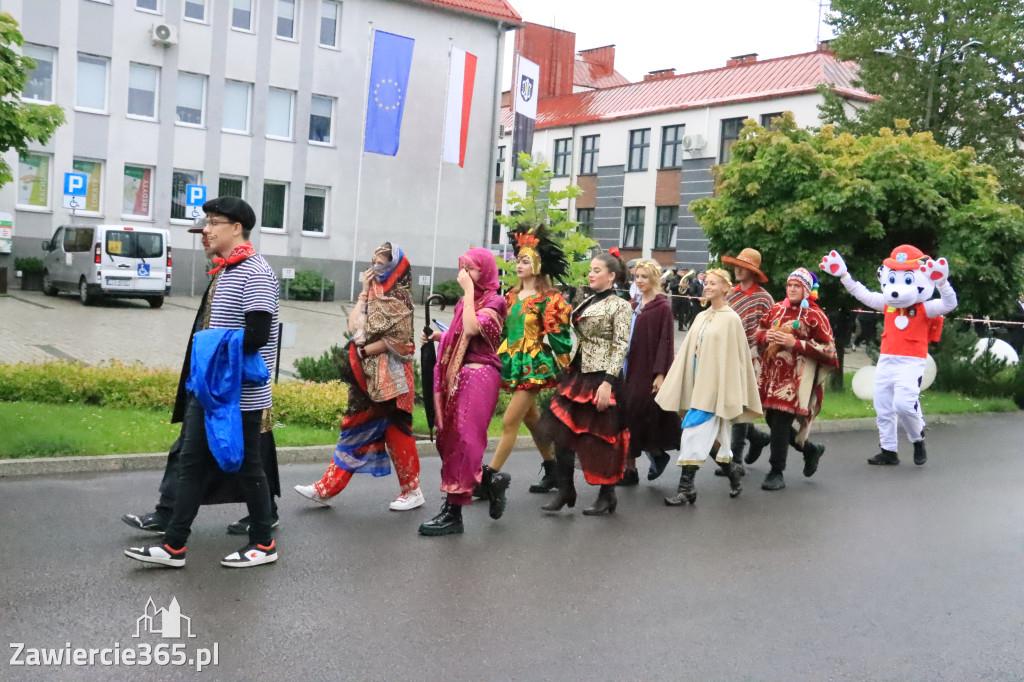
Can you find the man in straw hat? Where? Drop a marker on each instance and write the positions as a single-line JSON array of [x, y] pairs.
[[750, 301]]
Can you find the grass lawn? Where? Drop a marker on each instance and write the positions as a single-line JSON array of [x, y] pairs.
[[845, 405]]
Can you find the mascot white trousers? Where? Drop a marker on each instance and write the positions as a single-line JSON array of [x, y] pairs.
[[898, 399]]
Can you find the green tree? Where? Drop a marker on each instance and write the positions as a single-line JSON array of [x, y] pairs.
[[540, 206], [952, 67], [20, 122], [795, 195]]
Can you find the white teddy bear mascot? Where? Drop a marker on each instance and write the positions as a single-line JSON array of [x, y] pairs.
[[909, 279]]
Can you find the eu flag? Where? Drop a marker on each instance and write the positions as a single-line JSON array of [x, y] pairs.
[[389, 76]]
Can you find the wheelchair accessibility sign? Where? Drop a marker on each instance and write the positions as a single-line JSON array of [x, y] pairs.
[[143, 269]]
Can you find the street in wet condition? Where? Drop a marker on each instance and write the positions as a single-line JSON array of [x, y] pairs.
[[859, 573]]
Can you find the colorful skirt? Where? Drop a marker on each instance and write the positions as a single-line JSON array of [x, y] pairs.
[[572, 421]]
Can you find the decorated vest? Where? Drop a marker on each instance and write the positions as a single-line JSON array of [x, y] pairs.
[[907, 331]]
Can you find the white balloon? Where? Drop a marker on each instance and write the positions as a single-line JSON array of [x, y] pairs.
[[864, 383], [999, 349], [930, 370]]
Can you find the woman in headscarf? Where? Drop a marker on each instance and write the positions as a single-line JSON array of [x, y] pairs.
[[797, 353], [466, 381], [712, 381], [377, 366]]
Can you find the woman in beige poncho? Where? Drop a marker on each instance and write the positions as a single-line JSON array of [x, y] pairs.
[[712, 383]]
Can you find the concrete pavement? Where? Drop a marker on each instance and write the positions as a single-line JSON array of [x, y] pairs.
[[860, 573]]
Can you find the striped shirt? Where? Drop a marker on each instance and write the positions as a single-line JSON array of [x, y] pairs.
[[242, 288], [750, 304]]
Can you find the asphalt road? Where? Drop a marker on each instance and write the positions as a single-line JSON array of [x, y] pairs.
[[861, 573]]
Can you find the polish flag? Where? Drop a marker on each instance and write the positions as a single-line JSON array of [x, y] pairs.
[[460, 99]]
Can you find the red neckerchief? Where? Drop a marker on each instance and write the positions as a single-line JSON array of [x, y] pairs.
[[749, 292], [237, 255]]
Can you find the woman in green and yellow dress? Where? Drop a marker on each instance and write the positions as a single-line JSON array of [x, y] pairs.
[[534, 350]]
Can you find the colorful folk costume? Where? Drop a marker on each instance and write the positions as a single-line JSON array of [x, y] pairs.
[[792, 378], [376, 428], [750, 304], [911, 320], [534, 349], [466, 382], [711, 382], [651, 351], [598, 438]]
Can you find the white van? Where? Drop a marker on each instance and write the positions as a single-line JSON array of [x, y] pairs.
[[113, 261]]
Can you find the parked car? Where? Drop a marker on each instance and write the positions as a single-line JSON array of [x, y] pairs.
[[114, 261]]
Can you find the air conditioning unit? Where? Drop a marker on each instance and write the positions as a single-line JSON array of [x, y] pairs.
[[164, 34], [687, 142], [699, 142]]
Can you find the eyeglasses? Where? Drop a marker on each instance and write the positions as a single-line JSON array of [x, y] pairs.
[[221, 222]]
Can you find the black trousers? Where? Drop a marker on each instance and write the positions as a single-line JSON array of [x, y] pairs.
[[195, 463], [782, 434]]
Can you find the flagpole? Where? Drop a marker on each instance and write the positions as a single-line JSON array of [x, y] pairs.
[[362, 153], [440, 164]]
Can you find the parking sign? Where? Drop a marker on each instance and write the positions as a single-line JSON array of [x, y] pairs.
[[195, 195], [75, 184]]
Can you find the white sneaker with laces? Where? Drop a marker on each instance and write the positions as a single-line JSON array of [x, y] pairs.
[[406, 501], [310, 492], [251, 555]]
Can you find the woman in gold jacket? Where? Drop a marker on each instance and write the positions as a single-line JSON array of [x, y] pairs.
[[584, 418]]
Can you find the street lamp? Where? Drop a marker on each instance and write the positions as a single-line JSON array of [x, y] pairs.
[[957, 55]]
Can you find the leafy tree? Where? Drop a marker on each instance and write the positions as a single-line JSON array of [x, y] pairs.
[[795, 195], [540, 207], [20, 122], [971, 97]]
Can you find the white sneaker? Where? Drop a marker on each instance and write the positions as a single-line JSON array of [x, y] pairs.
[[406, 501], [251, 555], [311, 493]]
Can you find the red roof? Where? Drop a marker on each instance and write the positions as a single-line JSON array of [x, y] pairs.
[[492, 9], [772, 78], [589, 75]]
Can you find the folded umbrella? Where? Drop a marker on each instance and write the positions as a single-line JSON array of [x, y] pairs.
[[428, 359]]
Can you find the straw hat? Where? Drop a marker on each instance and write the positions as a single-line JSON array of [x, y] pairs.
[[749, 259]]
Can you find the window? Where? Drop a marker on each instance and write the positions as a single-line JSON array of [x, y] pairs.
[[76, 239], [766, 119], [585, 218], [314, 210], [94, 172], [563, 157], [320, 114], [330, 14], [148, 6], [274, 196], [667, 216], [91, 92], [142, 86], [231, 187], [237, 96], [181, 179], [39, 86], [191, 98], [241, 15], [633, 235], [499, 170], [639, 149], [279, 113], [34, 180], [286, 19], [588, 157], [138, 192], [135, 244], [730, 133], [672, 146], [195, 10]]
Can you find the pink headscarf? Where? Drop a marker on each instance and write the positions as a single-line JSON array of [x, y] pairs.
[[488, 282]]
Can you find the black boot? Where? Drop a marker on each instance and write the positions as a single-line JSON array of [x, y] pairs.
[[564, 470], [758, 442], [548, 481], [605, 502], [885, 458], [773, 481], [482, 491], [630, 478], [812, 453], [659, 460], [740, 471], [448, 522], [498, 485], [735, 477], [920, 454], [685, 494]]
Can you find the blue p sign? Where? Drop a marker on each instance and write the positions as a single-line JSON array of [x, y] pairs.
[[75, 184], [195, 195]]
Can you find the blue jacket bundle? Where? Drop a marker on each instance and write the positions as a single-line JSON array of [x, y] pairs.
[[219, 368]]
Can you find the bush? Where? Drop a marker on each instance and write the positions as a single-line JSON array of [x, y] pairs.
[[310, 404], [29, 264], [957, 370], [322, 369], [451, 290], [306, 286]]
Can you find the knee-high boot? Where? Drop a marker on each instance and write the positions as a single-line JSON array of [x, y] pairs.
[[564, 470], [686, 494]]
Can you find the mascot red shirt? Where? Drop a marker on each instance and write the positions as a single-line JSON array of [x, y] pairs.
[[912, 318]]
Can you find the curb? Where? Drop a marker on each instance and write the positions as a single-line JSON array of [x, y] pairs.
[[321, 454]]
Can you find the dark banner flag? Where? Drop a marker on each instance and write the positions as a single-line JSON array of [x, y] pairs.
[[528, 77]]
